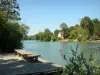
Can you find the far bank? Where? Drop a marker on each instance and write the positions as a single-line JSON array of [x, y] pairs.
[[75, 40]]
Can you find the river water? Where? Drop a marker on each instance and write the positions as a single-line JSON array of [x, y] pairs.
[[56, 51]]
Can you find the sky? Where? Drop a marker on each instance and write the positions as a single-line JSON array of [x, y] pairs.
[[41, 14]]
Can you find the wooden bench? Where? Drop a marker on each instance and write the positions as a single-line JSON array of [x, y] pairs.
[[27, 55]]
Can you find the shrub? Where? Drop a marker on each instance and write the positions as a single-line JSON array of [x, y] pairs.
[[78, 65], [11, 34], [54, 38], [79, 38]]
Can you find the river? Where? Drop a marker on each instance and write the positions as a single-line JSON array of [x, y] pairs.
[[55, 51]]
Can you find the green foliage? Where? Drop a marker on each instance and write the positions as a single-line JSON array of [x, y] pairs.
[[10, 8], [73, 34], [56, 32], [86, 23], [11, 34], [79, 38], [36, 37], [54, 38], [47, 35], [31, 37], [78, 65], [63, 26], [24, 30], [89, 29], [96, 23], [41, 36]]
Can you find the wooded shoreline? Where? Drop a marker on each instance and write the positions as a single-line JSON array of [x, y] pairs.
[[75, 40]]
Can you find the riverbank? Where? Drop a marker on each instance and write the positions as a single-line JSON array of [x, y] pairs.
[[69, 40], [75, 40], [11, 64]]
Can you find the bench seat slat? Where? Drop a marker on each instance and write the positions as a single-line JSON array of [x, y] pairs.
[[26, 53]]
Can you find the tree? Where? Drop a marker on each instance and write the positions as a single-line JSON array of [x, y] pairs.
[[47, 35], [11, 9], [73, 34], [47, 30], [36, 37], [54, 38], [64, 27], [69, 31], [86, 23], [41, 36], [31, 37], [11, 34], [44, 36], [24, 30], [96, 24], [56, 32]]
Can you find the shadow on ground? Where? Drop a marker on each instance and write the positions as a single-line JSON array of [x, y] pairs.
[[14, 66]]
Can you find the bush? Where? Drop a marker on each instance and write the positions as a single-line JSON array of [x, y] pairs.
[[10, 35], [78, 65], [95, 37], [54, 38], [79, 38]]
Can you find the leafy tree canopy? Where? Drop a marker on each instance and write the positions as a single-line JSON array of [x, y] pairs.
[[11, 9], [63, 26]]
